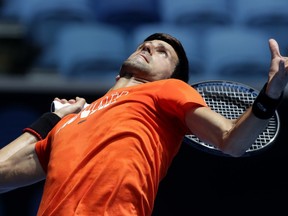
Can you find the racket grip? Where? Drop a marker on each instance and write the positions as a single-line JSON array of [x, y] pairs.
[[56, 105]]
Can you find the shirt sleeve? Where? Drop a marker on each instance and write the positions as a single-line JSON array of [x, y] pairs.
[[43, 152], [177, 97]]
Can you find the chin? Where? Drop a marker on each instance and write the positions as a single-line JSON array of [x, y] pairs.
[[133, 68]]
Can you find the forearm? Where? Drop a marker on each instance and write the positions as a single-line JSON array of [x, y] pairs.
[[243, 134], [19, 164], [40, 128], [252, 123], [21, 169], [22, 141], [36, 131]]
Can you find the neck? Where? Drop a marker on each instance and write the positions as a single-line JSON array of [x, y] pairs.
[[127, 81]]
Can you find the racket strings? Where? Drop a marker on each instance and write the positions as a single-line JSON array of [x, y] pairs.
[[232, 100]]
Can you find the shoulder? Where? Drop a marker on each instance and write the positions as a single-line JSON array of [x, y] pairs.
[[179, 91], [173, 81], [173, 84], [176, 85]]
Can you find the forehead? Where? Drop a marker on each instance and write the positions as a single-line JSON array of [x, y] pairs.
[[163, 44], [160, 43]]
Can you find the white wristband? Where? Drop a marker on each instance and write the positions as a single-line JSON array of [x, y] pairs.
[[56, 105]]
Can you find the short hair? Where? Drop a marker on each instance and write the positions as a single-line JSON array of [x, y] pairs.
[[182, 68]]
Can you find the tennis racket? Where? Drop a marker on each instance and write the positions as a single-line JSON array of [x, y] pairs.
[[231, 99]]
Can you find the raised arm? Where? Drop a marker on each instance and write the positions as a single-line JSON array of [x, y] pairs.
[[30, 136], [235, 137], [19, 165]]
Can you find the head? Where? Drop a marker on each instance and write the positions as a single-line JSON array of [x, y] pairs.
[[181, 70], [160, 56]]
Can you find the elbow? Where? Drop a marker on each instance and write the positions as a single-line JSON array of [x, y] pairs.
[[233, 150], [234, 154]]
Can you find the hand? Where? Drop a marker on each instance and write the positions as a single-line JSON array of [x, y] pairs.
[[71, 106], [278, 73]]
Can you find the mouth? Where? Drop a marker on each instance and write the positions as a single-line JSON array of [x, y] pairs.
[[144, 57]]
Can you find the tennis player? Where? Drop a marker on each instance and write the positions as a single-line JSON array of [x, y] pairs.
[[108, 158]]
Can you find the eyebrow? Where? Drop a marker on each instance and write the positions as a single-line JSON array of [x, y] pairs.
[[159, 45]]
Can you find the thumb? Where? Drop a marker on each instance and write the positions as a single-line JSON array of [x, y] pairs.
[[80, 101], [274, 48]]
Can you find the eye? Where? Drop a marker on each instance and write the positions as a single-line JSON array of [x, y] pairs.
[[162, 51]]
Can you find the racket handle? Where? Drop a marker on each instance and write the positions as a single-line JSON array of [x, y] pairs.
[[56, 105]]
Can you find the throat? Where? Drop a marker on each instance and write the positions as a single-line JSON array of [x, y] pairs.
[[127, 81]]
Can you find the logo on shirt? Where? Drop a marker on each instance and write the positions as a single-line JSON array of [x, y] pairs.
[[100, 104]]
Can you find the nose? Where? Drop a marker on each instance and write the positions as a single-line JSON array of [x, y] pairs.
[[147, 47]]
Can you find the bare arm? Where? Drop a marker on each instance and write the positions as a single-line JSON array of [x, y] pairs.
[[19, 165], [28, 138], [235, 137], [231, 137], [22, 169], [19, 143]]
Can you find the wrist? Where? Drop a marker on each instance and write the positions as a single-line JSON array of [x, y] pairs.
[[264, 106], [272, 94], [42, 126]]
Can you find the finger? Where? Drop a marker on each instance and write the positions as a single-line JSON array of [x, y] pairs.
[[64, 100], [71, 101], [80, 99], [274, 48]]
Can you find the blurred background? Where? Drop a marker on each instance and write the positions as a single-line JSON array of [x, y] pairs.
[[69, 48]]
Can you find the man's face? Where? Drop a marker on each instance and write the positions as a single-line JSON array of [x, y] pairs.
[[152, 60]]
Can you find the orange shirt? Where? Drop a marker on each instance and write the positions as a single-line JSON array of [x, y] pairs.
[[109, 158]]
